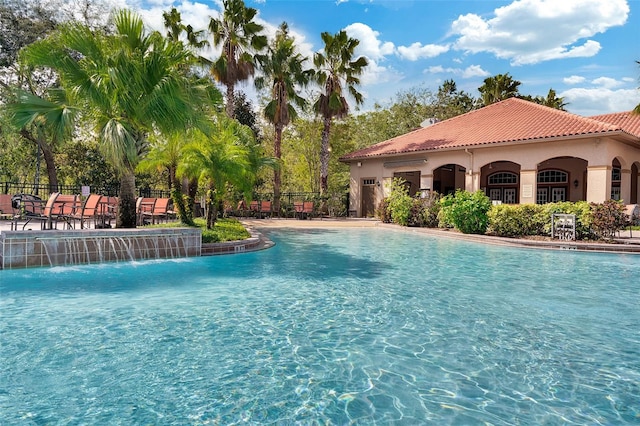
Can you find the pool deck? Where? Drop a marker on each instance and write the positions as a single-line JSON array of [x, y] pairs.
[[627, 242]]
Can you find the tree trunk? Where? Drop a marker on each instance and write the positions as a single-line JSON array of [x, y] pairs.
[[51, 167], [324, 157], [47, 153], [183, 211], [230, 101], [212, 208], [127, 215], [277, 172]]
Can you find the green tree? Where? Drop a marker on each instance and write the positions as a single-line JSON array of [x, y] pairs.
[[551, 100], [221, 160], [335, 71], [129, 84], [240, 38], [451, 102], [498, 88], [283, 72]]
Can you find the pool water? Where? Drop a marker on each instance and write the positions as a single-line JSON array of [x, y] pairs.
[[360, 326]]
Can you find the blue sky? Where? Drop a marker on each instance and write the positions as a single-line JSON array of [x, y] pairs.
[[584, 49]]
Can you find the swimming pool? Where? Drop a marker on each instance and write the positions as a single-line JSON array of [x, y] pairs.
[[368, 326]]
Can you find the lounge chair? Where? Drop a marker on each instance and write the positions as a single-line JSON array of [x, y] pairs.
[[308, 210], [144, 207], [7, 212], [59, 207], [265, 209], [88, 212], [159, 211]]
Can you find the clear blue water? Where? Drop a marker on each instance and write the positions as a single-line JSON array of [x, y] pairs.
[[328, 327]]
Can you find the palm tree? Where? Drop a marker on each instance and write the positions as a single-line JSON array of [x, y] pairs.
[[282, 70], [222, 159], [129, 84], [498, 88], [240, 37], [44, 122], [335, 69]]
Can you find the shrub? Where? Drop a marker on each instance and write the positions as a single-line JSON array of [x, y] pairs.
[[424, 211], [507, 220], [467, 211], [400, 203], [383, 212], [580, 209], [607, 218]]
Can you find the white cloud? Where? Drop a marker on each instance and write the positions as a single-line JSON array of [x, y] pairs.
[[533, 31], [418, 51], [469, 72], [574, 79], [375, 51], [370, 45], [607, 82], [594, 101]]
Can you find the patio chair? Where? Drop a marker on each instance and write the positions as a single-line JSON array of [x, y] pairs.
[[254, 208], [7, 212], [107, 211], [89, 211], [308, 210], [58, 207], [298, 207], [265, 209], [159, 211], [144, 208]]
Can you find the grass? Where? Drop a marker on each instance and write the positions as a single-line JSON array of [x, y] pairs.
[[224, 230]]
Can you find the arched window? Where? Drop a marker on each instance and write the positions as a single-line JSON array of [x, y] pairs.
[[552, 176], [502, 178]]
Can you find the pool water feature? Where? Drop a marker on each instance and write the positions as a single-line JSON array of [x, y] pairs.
[[362, 326]]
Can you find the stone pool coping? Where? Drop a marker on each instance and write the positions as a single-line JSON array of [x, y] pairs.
[[625, 244]]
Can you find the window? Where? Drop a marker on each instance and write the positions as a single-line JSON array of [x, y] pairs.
[[502, 178], [616, 174], [368, 182], [552, 176]]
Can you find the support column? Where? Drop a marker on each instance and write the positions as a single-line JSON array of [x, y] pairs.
[[426, 182], [625, 186], [598, 183], [528, 186], [472, 181]]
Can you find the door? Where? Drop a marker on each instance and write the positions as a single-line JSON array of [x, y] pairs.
[[558, 195], [495, 194], [543, 194], [509, 196], [368, 197]]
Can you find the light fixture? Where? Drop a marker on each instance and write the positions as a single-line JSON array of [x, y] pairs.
[[576, 183], [359, 163]]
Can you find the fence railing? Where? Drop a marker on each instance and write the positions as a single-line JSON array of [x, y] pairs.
[[43, 190]]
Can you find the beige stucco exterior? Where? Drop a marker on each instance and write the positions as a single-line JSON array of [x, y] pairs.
[[587, 166]]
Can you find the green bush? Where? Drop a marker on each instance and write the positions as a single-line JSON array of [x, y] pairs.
[[383, 212], [580, 209], [507, 220], [424, 211], [607, 218], [467, 211], [400, 203]]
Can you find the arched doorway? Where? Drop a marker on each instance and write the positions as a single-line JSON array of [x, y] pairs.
[[501, 181], [448, 178], [616, 180], [561, 179], [635, 183]]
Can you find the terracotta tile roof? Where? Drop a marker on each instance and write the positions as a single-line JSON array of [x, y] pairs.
[[629, 121], [512, 120]]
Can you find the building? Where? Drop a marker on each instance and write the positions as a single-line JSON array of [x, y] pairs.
[[516, 151]]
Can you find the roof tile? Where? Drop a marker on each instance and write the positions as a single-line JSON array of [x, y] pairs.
[[511, 120]]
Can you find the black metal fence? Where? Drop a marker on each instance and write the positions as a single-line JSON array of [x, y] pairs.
[[43, 190], [335, 204]]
